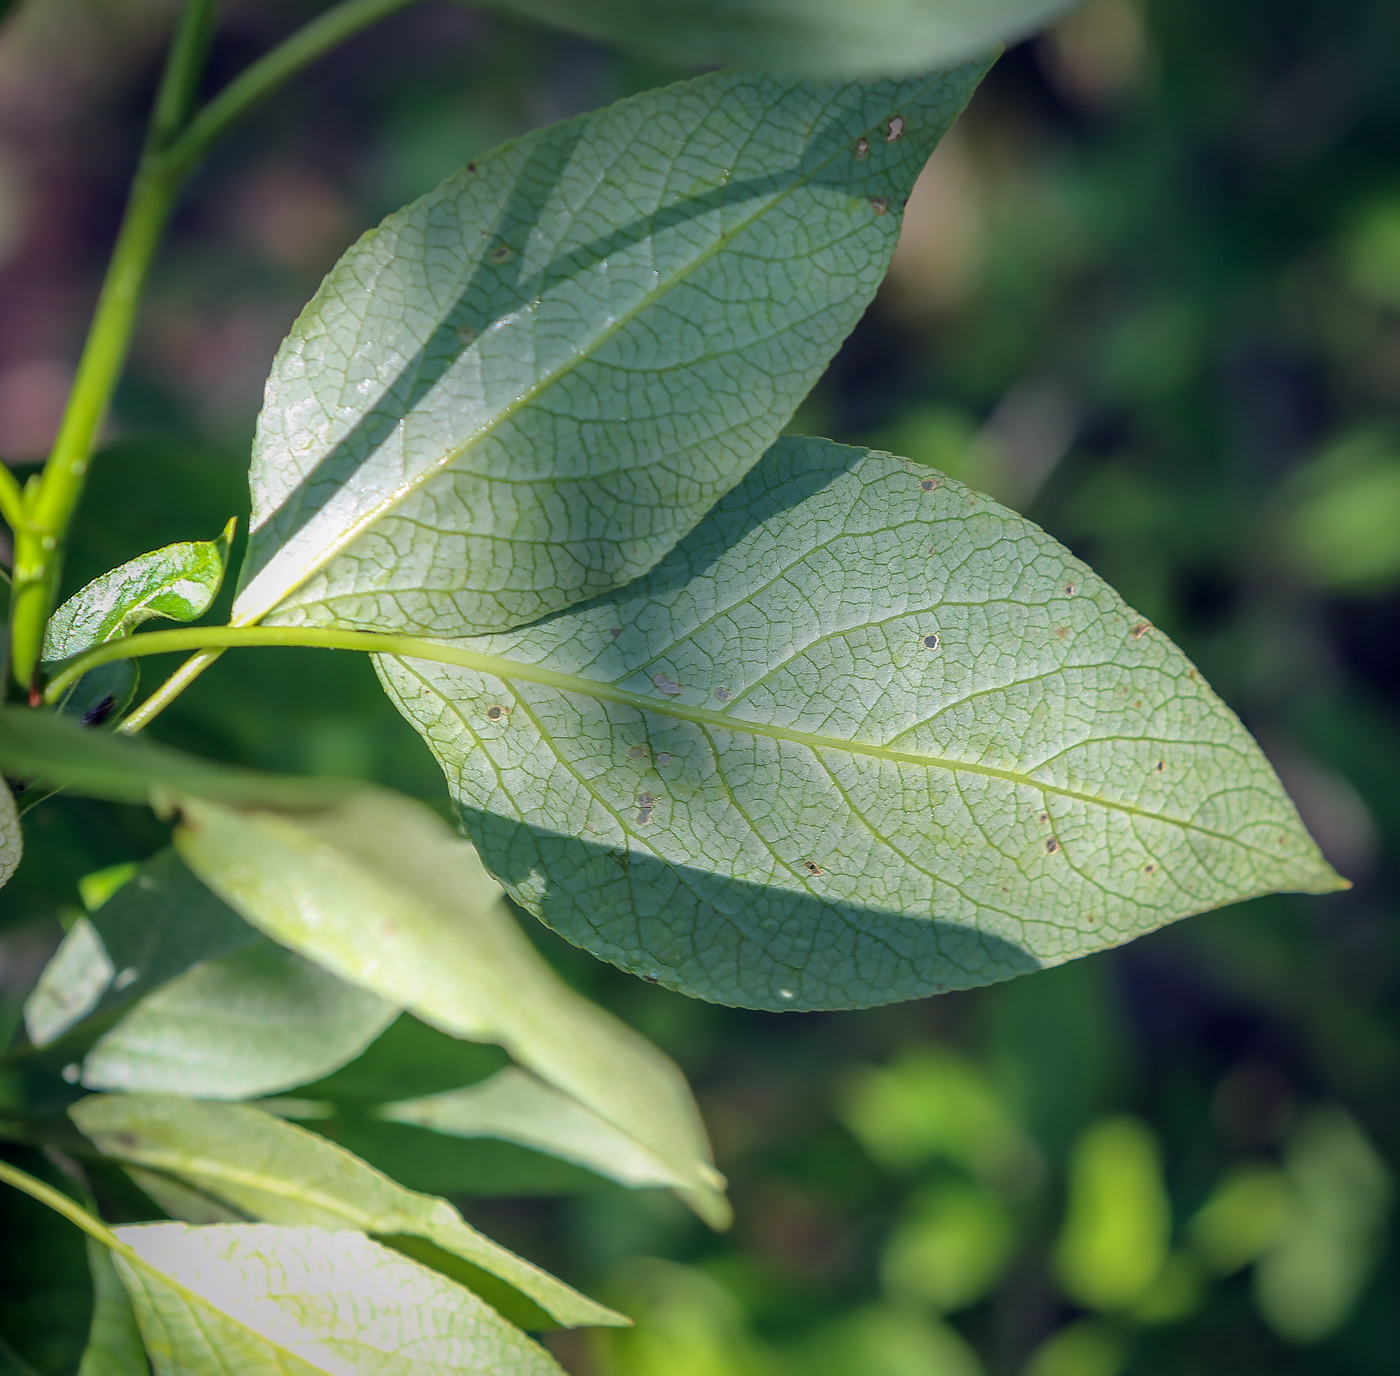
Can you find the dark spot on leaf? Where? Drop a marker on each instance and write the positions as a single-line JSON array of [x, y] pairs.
[[669, 686], [1051, 846], [1044, 817], [95, 716], [663, 759], [1161, 765], [723, 694], [497, 712], [862, 149], [651, 979], [880, 205], [1070, 589], [1149, 868], [1191, 673], [929, 484], [1141, 629], [646, 805], [623, 859], [471, 167], [1061, 632], [638, 752], [128, 1141], [615, 632], [500, 254], [812, 867], [931, 642], [897, 127]]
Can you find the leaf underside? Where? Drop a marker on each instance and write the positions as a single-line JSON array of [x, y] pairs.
[[863, 736], [522, 389], [823, 37]]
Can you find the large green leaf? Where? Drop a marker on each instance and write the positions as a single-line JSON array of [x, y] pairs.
[[864, 736], [262, 1300], [255, 1022], [11, 842], [525, 387], [829, 37], [114, 1345], [380, 891], [271, 1170], [515, 1106]]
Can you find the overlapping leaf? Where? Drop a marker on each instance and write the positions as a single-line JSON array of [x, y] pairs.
[[381, 892], [262, 1300], [278, 1173], [114, 1345], [525, 387], [863, 736], [11, 841], [826, 37]]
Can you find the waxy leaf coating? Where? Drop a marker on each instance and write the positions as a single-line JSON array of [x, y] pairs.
[[865, 735], [524, 388]]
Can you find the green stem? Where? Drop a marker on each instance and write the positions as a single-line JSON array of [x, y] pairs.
[[168, 691], [304, 47], [44, 521], [61, 1204], [11, 499]]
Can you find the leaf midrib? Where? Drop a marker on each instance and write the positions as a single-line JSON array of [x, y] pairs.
[[580, 356]]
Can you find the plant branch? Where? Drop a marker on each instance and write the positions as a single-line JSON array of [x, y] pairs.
[[61, 1204], [11, 499], [168, 691], [274, 69]]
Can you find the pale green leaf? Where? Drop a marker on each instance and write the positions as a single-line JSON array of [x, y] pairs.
[[864, 736], [515, 1106], [271, 1170], [525, 387], [830, 37], [11, 842], [261, 1300], [255, 1022], [150, 931], [114, 1342], [379, 890], [178, 583], [47, 747]]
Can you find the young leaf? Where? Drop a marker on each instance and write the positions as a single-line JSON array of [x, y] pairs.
[[11, 842], [824, 37], [150, 931], [114, 1342], [380, 891], [178, 583], [262, 1300], [864, 736], [525, 387], [255, 1022], [515, 1106], [273, 1171]]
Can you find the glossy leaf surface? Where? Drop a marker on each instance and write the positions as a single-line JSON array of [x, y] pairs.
[[262, 1300], [864, 736], [255, 1022], [827, 37], [380, 891], [515, 1106], [525, 387], [276, 1172]]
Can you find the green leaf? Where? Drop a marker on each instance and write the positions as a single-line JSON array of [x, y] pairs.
[[44, 746], [379, 890], [150, 931], [864, 736], [114, 1345], [271, 1170], [515, 1106], [525, 387], [11, 841], [255, 1022], [827, 37], [178, 583], [262, 1300]]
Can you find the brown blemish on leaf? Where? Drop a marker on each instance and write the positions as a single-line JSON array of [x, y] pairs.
[[471, 167], [1052, 845], [615, 632], [929, 484], [1141, 629], [880, 205], [812, 867], [646, 805], [1149, 868], [497, 712], [862, 149], [651, 979], [1070, 589], [1160, 766], [1061, 632], [666, 685], [500, 254], [1044, 817], [638, 752], [663, 759], [723, 694], [931, 642]]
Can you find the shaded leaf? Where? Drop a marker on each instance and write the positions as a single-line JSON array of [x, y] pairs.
[[379, 890], [72, 983], [262, 1300], [864, 736], [11, 841], [255, 1022], [114, 1345], [274, 1171], [525, 387], [517, 1107], [827, 37]]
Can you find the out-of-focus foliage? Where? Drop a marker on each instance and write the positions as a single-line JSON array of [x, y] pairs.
[[1148, 292]]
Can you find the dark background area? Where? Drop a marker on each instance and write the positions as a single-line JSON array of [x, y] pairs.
[[1148, 294]]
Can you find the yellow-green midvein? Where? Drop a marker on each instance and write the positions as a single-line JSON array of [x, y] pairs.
[[408, 647]]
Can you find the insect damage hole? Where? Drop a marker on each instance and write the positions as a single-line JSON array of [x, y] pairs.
[[812, 867], [1140, 630], [666, 685], [880, 205], [931, 642], [862, 149], [896, 127], [929, 484], [497, 712], [1052, 845]]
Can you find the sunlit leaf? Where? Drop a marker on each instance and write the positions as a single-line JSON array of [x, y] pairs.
[[831, 37], [11, 842], [515, 1106], [255, 1022], [262, 1300], [381, 892], [114, 1342], [271, 1170], [524, 388], [863, 736]]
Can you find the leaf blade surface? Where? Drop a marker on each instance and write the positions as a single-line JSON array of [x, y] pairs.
[[863, 736]]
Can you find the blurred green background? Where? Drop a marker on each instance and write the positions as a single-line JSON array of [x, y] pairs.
[[1148, 293]]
